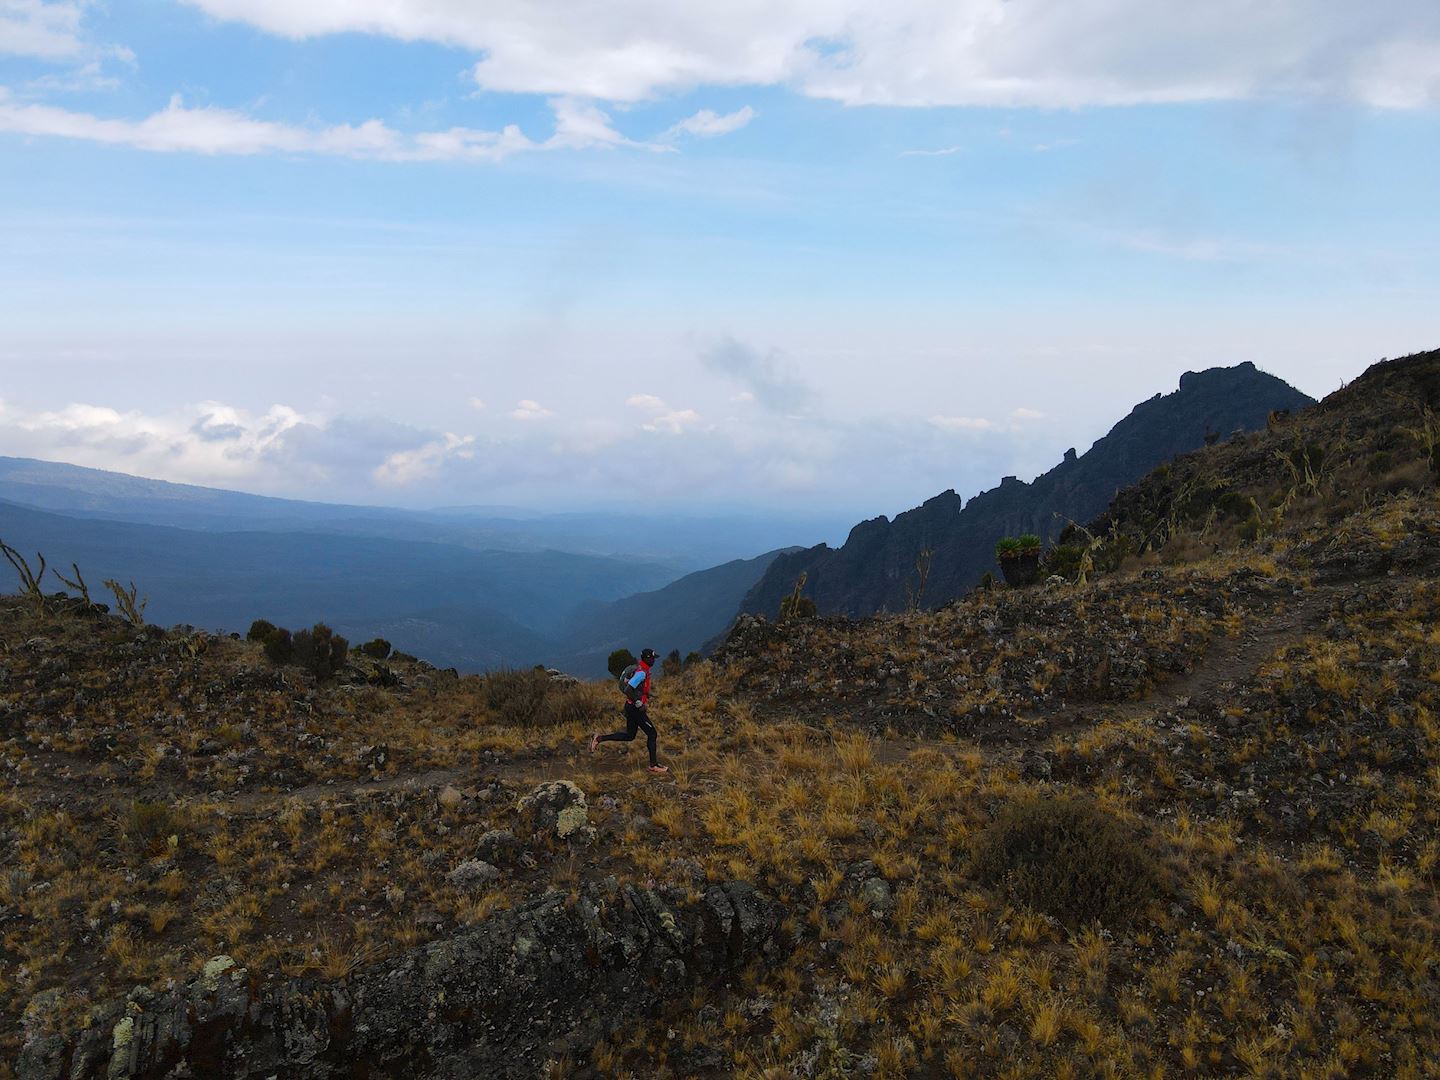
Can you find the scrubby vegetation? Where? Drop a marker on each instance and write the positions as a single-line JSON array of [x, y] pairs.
[[1067, 857], [1178, 815]]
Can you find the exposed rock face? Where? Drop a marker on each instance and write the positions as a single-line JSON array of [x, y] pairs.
[[498, 1000], [873, 569]]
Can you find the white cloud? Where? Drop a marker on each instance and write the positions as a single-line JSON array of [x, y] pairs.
[[1022, 414], [209, 442], [477, 403], [46, 31], [674, 422], [207, 130], [405, 467], [530, 410], [962, 423], [707, 124], [944, 151], [914, 52], [646, 401]]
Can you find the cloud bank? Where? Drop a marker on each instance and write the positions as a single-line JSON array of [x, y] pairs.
[[914, 52]]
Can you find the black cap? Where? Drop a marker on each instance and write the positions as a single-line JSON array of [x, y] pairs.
[[648, 654]]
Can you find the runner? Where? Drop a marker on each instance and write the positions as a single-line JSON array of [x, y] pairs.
[[636, 683]]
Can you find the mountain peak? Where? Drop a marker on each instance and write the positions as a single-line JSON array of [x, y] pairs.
[[872, 571]]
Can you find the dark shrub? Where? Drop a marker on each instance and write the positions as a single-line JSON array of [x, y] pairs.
[[320, 650], [1067, 857], [1233, 505], [280, 647], [672, 664], [1019, 558], [517, 697], [692, 658], [261, 630], [1064, 559], [378, 649], [533, 699], [619, 660]]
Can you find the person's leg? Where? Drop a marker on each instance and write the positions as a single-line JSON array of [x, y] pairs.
[[649, 730], [632, 723]]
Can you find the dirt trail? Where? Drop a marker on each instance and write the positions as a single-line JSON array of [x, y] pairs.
[[1228, 661], [313, 793]]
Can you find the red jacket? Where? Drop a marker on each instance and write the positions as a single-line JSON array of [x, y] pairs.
[[645, 686]]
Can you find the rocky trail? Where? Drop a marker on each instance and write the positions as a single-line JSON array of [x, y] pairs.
[[1229, 661]]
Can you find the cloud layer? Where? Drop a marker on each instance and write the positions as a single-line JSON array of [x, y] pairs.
[[744, 455], [914, 52], [177, 127]]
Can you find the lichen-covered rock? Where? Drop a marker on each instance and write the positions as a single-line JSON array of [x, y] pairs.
[[542, 808], [501, 999], [472, 874]]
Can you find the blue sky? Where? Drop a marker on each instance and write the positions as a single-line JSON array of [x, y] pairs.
[[801, 254]]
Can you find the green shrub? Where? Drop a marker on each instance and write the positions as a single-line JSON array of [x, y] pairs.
[[1069, 858], [320, 650], [279, 646], [619, 660], [261, 630], [378, 649], [1007, 548], [1064, 559]]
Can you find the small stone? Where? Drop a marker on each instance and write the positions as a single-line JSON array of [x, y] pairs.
[[472, 874], [876, 896], [451, 798]]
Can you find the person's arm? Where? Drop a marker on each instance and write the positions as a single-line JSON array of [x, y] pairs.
[[640, 677]]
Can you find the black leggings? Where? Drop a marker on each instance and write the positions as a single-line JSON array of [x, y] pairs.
[[635, 720]]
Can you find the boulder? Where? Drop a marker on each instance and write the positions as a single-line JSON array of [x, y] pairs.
[[500, 847], [541, 809], [501, 999]]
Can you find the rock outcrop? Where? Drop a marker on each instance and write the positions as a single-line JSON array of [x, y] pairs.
[[524, 988], [875, 568]]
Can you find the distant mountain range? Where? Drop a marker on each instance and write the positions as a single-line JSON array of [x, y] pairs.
[[458, 587], [876, 567], [683, 615], [680, 541], [484, 587]]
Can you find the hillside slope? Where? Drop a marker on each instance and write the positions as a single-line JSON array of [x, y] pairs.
[[875, 567], [1179, 818]]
